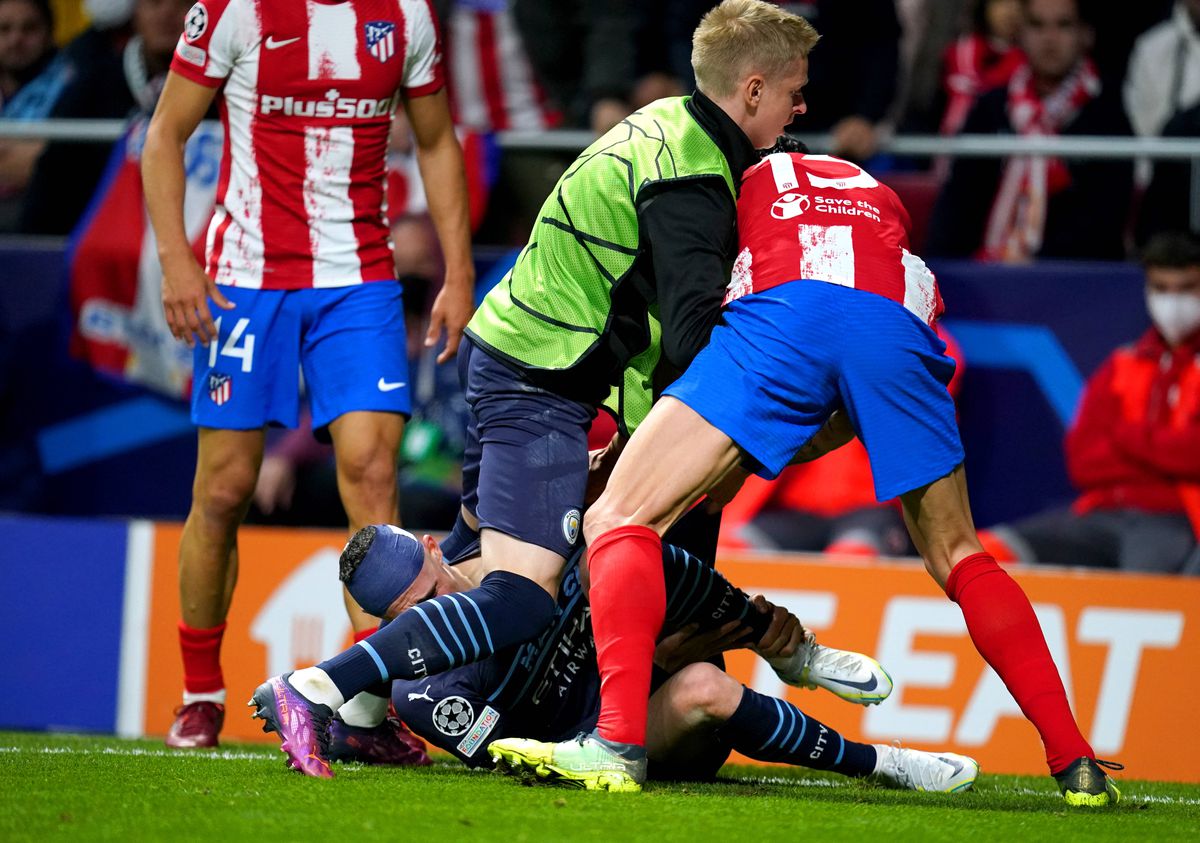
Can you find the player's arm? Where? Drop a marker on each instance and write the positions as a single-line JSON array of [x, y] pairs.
[[700, 601], [440, 159], [687, 228], [186, 289]]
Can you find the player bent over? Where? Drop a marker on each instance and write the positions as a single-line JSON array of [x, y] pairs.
[[826, 334], [548, 686], [298, 260]]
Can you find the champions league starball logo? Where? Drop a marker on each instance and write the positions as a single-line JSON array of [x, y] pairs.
[[452, 716], [195, 23]]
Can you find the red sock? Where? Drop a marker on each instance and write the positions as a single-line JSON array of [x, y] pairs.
[[201, 650], [1007, 634], [629, 602], [366, 633]]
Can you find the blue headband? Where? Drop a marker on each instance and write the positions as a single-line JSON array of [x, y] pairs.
[[390, 566]]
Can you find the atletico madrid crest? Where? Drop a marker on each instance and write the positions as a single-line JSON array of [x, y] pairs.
[[381, 39], [220, 388]]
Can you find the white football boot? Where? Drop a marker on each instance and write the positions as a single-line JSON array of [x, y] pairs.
[[852, 676], [912, 769]]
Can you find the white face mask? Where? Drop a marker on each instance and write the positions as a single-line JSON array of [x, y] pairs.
[[107, 14], [1176, 315]]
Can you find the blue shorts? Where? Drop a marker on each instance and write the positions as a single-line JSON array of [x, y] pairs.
[[349, 341], [526, 461], [783, 360]]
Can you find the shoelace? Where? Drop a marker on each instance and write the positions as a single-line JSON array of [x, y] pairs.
[[923, 774], [825, 658]]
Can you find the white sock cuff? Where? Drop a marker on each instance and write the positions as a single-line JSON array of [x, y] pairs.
[[364, 710], [314, 684], [217, 697]]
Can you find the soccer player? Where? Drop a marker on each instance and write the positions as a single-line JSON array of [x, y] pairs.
[[299, 267], [626, 265], [826, 334], [548, 686]]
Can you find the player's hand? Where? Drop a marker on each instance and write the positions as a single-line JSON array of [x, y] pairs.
[[687, 646], [607, 113], [276, 484], [451, 311], [186, 290], [784, 634], [601, 463], [855, 138]]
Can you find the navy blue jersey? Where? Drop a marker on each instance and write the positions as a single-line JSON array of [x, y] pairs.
[[549, 688]]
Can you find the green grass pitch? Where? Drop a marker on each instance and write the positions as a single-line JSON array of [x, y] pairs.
[[89, 788]]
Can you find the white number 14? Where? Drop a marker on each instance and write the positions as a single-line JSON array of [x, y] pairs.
[[245, 352]]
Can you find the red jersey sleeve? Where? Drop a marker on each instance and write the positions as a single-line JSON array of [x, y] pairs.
[[211, 41], [423, 73]]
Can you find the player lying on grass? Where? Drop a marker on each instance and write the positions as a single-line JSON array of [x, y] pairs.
[[826, 334], [549, 686]]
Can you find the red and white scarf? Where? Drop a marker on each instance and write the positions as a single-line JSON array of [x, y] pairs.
[[973, 65], [1017, 222]]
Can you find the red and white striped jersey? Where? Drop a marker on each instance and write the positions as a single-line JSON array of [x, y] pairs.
[[821, 218], [492, 85], [309, 89]]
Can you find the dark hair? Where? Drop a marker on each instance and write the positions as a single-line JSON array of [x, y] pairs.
[[355, 550], [786, 143], [979, 17], [1172, 250], [42, 7], [1082, 10]]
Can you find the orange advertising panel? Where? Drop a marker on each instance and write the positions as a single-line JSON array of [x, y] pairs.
[[287, 612], [1127, 647]]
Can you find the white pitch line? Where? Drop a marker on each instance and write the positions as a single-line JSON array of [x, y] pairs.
[[134, 752], [1024, 791], [219, 755]]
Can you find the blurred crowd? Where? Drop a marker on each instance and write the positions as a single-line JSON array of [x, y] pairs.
[[1025, 68], [1013, 67]]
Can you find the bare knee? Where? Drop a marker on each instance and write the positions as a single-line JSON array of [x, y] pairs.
[[222, 492], [368, 469], [705, 694]]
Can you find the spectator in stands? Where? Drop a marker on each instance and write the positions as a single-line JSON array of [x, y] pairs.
[[26, 47], [1164, 70], [107, 73], [1029, 207], [982, 59], [530, 64], [852, 72], [928, 28], [1134, 449], [1162, 96], [26, 44]]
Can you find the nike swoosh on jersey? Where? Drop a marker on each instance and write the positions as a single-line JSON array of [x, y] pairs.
[[384, 386], [272, 44]]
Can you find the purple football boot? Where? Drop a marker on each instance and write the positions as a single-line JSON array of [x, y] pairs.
[[303, 726], [389, 744]]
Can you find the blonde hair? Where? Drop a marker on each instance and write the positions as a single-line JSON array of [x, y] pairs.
[[740, 36]]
